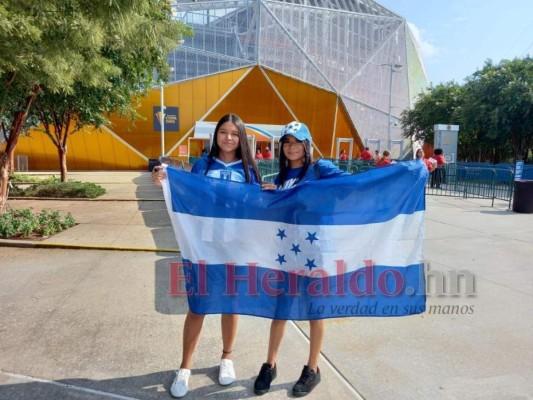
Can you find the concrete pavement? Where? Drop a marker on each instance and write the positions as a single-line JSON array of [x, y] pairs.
[[81, 320]]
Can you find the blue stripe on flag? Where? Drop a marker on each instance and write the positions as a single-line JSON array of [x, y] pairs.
[[374, 196], [370, 291]]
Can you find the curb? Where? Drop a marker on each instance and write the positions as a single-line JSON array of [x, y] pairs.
[[79, 199], [35, 245]]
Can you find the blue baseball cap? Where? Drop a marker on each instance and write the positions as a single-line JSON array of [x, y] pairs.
[[297, 129]]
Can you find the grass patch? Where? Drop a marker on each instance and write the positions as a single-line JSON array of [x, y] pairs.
[[23, 223], [57, 189], [22, 178]]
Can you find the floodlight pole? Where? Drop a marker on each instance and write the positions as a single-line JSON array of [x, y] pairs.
[[162, 119], [392, 70], [390, 112]]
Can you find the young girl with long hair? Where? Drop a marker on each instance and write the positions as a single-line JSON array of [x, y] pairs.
[[230, 159], [296, 166]]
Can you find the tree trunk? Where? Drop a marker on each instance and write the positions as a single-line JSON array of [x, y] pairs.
[[496, 158], [11, 163], [7, 156], [4, 180], [63, 162], [6, 163], [519, 147]]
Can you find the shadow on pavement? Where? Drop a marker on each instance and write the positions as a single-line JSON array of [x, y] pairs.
[[165, 303], [154, 212], [497, 212], [149, 386], [156, 218]]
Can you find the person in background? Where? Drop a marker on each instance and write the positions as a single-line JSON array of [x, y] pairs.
[[366, 155], [343, 156], [230, 159], [420, 156], [438, 175], [268, 154], [377, 156], [296, 166], [258, 155], [384, 160]]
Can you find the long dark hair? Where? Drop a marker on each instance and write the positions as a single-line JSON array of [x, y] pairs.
[[284, 166], [243, 152]]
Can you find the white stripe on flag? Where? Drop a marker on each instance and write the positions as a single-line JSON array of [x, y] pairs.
[[220, 241]]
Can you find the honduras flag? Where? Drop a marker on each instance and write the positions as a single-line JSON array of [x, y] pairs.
[[340, 247]]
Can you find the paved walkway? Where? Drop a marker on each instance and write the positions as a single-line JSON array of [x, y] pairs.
[[81, 320]]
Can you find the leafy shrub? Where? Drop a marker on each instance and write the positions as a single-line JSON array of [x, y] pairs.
[[58, 189], [24, 223], [22, 178]]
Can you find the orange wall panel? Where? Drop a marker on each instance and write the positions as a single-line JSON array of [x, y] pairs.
[[313, 106], [41, 152], [193, 97], [246, 92], [86, 150], [254, 100]]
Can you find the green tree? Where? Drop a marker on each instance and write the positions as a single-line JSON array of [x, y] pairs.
[[63, 114], [58, 46], [438, 105], [498, 108], [494, 108]]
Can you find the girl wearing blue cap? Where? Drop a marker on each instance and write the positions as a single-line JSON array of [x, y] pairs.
[[296, 166], [230, 159]]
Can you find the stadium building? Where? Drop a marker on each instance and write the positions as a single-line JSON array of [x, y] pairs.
[[347, 68]]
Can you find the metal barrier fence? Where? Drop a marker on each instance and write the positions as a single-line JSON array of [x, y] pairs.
[[454, 180], [472, 182], [268, 169], [352, 166]]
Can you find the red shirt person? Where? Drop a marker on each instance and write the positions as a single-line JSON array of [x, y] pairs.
[[439, 174], [366, 155], [429, 164], [385, 160], [343, 156]]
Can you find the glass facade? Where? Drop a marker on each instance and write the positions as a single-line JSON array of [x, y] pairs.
[[357, 49]]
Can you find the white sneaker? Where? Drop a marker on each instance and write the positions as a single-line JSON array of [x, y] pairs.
[[226, 375], [181, 383]]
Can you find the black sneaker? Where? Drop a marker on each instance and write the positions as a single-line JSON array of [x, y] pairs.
[[307, 382], [264, 379]]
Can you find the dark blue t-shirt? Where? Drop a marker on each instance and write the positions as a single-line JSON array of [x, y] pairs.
[[326, 169]]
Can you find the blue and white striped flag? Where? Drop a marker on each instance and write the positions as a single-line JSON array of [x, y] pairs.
[[339, 247]]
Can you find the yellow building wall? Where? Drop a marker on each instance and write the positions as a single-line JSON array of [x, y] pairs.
[[346, 130], [94, 149], [245, 92], [254, 100], [316, 108], [193, 97]]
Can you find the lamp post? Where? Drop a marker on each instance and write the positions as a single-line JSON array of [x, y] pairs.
[[162, 119], [162, 122], [393, 68]]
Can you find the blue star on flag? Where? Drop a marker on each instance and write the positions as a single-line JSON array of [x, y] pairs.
[[281, 233], [296, 249], [310, 264], [311, 237], [281, 259]]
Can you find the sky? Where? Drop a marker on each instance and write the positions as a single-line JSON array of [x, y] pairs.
[[456, 37]]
